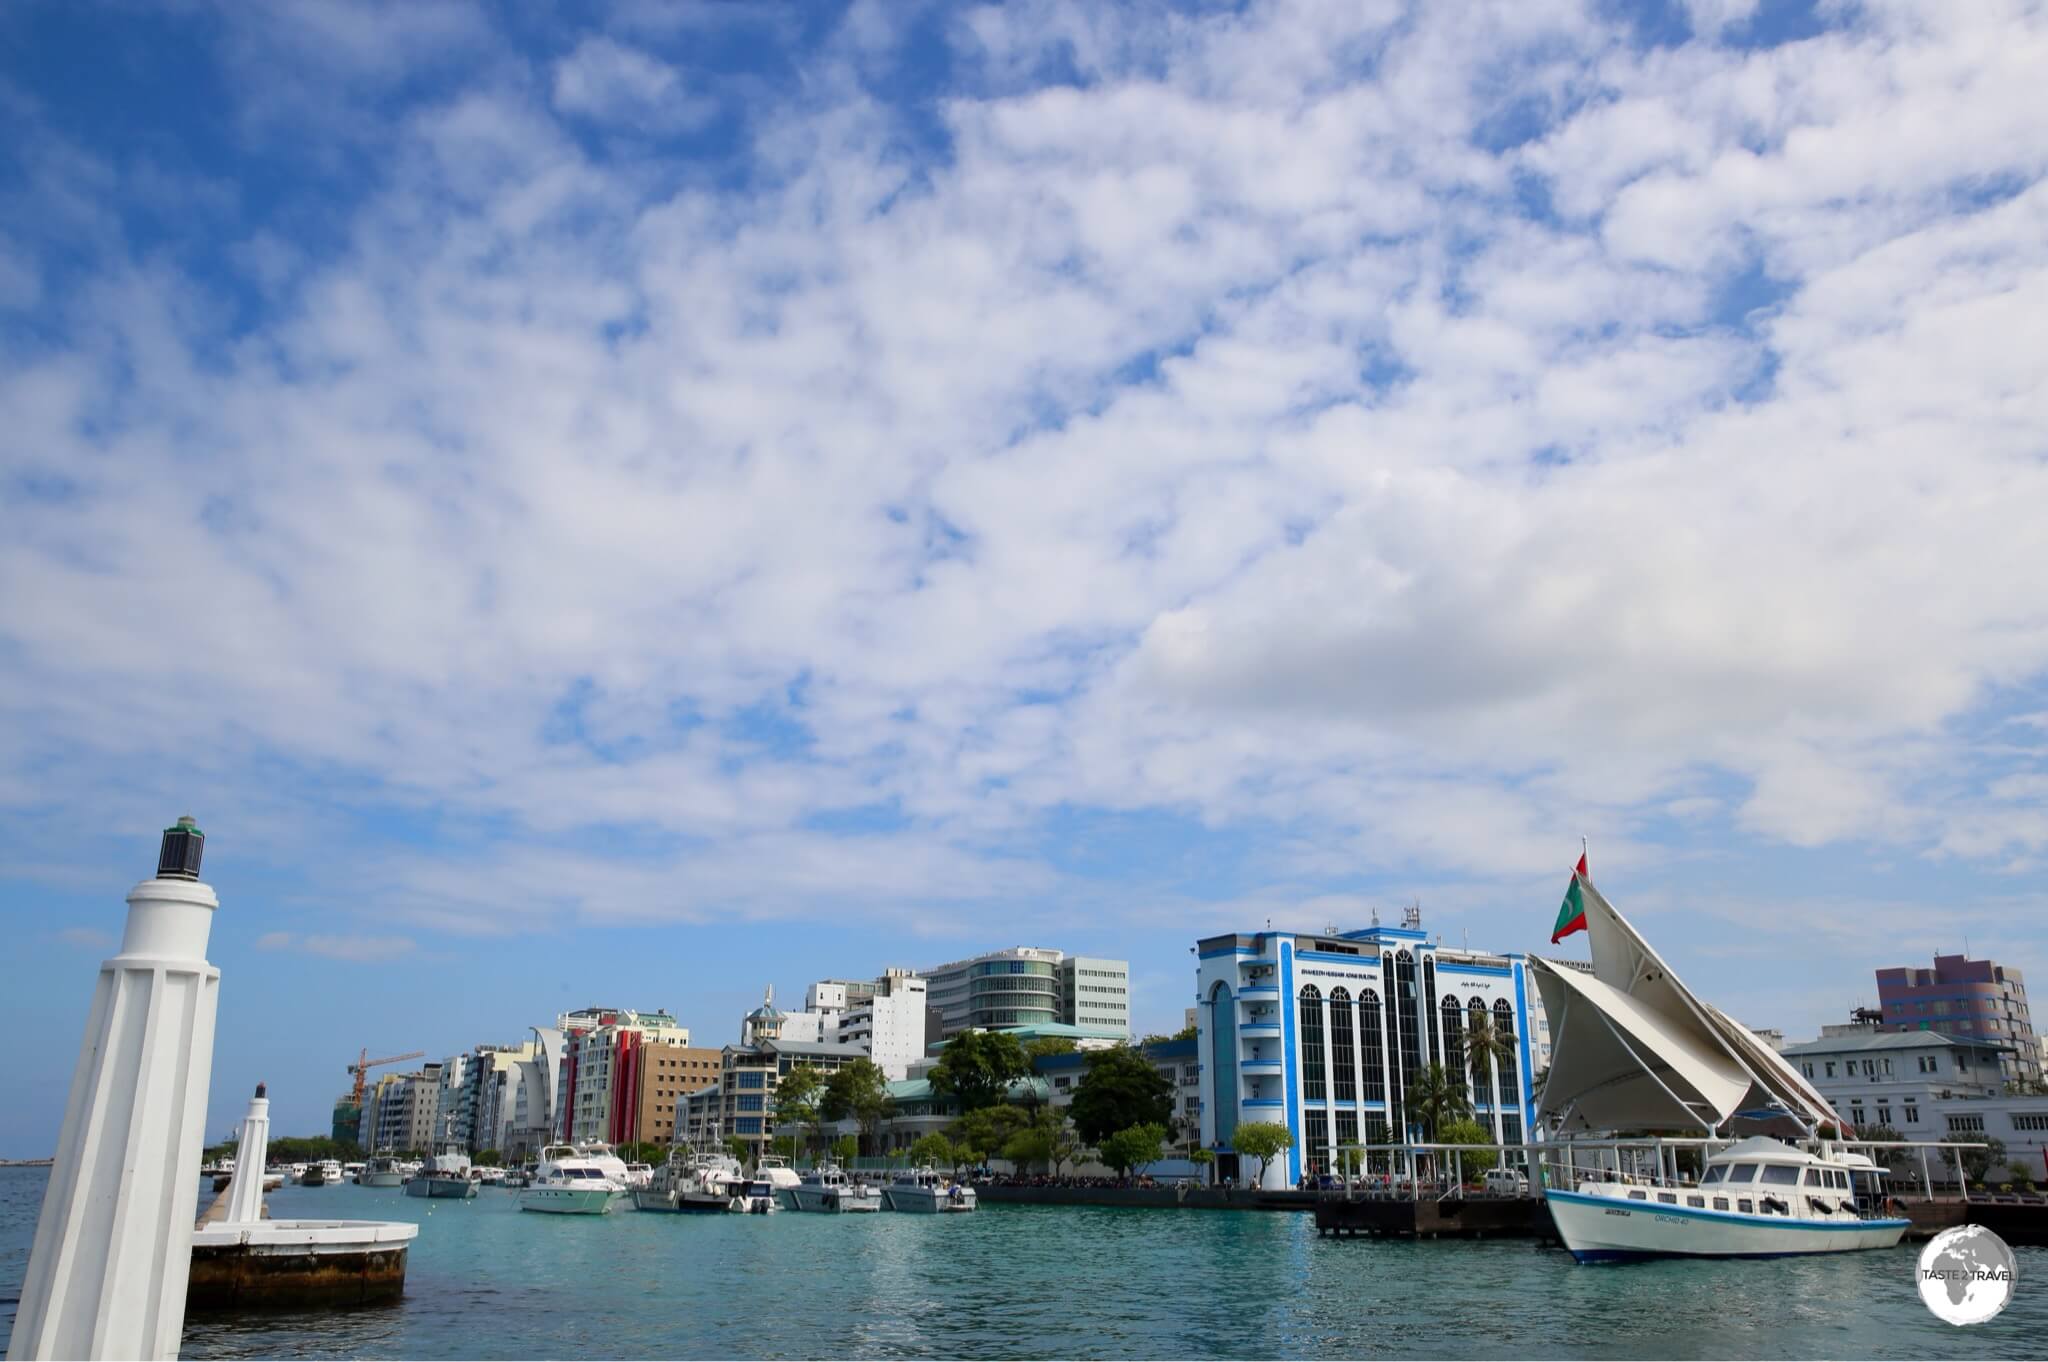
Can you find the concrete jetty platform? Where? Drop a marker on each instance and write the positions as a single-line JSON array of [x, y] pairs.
[[289, 1264], [241, 1260]]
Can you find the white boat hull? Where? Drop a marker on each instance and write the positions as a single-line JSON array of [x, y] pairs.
[[928, 1200], [452, 1188], [1601, 1229], [835, 1199], [381, 1180], [567, 1200]]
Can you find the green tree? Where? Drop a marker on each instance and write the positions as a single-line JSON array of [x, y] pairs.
[[1202, 1157], [1976, 1162], [933, 1149], [1134, 1147], [798, 1095], [858, 1092], [488, 1158], [1120, 1090], [1487, 1051], [977, 1068], [784, 1147], [1480, 1155], [1436, 1100], [740, 1149], [846, 1148], [1041, 1046], [1261, 1140], [986, 1131]]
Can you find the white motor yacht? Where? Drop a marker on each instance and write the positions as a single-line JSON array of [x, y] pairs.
[[639, 1175], [381, 1171], [693, 1183], [927, 1190], [828, 1188], [573, 1181], [1760, 1198], [445, 1175]]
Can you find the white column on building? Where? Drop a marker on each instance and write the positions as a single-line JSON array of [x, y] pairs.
[[1329, 1087], [113, 1248], [1358, 1056], [1392, 1032]]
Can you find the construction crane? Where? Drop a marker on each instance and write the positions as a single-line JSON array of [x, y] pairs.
[[364, 1064]]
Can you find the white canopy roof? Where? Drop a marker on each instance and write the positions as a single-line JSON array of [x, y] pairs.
[[1633, 1048]]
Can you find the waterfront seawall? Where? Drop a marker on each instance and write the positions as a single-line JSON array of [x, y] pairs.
[[1168, 1198]]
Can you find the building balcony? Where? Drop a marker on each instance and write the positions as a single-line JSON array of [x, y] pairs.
[[1259, 1065], [1259, 1028], [1259, 991]]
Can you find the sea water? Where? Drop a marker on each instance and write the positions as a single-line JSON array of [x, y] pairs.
[[486, 1280]]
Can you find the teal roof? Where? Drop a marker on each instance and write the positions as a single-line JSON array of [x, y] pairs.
[[1050, 1031]]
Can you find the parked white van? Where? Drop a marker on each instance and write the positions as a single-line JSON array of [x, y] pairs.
[[1505, 1182]]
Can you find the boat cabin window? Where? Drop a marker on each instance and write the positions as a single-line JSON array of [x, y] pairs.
[[1668, 1198], [1842, 1183], [1742, 1172], [1813, 1177], [1720, 1203], [1713, 1175], [1638, 1196], [1695, 1201], [1745, 1205], [1781, 1175]]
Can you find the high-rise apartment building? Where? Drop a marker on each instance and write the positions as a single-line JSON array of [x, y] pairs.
[[603, 1083], [1968, 999]]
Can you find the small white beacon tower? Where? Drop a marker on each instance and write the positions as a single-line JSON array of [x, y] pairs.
[[113, 1249]]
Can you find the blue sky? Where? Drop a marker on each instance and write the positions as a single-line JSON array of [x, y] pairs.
[[628, 504]]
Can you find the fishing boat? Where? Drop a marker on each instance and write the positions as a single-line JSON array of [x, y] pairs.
[[575, 1181], [693, 1183], [1634, 1049], [828, 1188], [928, 1191], [445, 1175]]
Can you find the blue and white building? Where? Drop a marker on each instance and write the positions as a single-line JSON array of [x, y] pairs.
[[1326, 1032]]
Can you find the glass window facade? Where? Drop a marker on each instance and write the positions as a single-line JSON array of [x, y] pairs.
[[1370, 1022], [1343, 1046], [1313, 1087]]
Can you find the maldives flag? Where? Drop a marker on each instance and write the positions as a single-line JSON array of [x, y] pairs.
[[1571, 914]]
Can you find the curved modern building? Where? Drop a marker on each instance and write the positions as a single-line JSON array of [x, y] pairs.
[[1325, 1033], [1031, 986]]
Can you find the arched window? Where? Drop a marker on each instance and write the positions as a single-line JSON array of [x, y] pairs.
[[1411, 1046], [1454, 1041], [1343, 1045], [1313, 1088], [1478, 1017], [1369, 1046], [1425, 1010], [1504, 1023], [1223, 1060]]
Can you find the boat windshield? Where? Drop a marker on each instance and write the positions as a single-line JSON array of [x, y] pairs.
[[1742, 1172], [1781, 1175], [1713, 1175]]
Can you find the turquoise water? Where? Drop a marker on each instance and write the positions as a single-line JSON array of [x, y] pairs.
[[1013, 1281]]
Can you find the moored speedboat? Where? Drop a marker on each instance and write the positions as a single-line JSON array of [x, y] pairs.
[[928, 1191], [571, 1181], [1757, 1199], [445, 1175], [827, 1188], [764, 1192]]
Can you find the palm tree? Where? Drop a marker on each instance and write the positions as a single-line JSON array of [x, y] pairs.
[[1436, 1099], [1487, 1049]]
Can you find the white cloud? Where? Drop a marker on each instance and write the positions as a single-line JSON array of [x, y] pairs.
[[609, 82], [350, 947], [1222, 436]]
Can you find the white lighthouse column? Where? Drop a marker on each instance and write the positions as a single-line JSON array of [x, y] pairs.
[[107, 1274], [245, 1192]]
